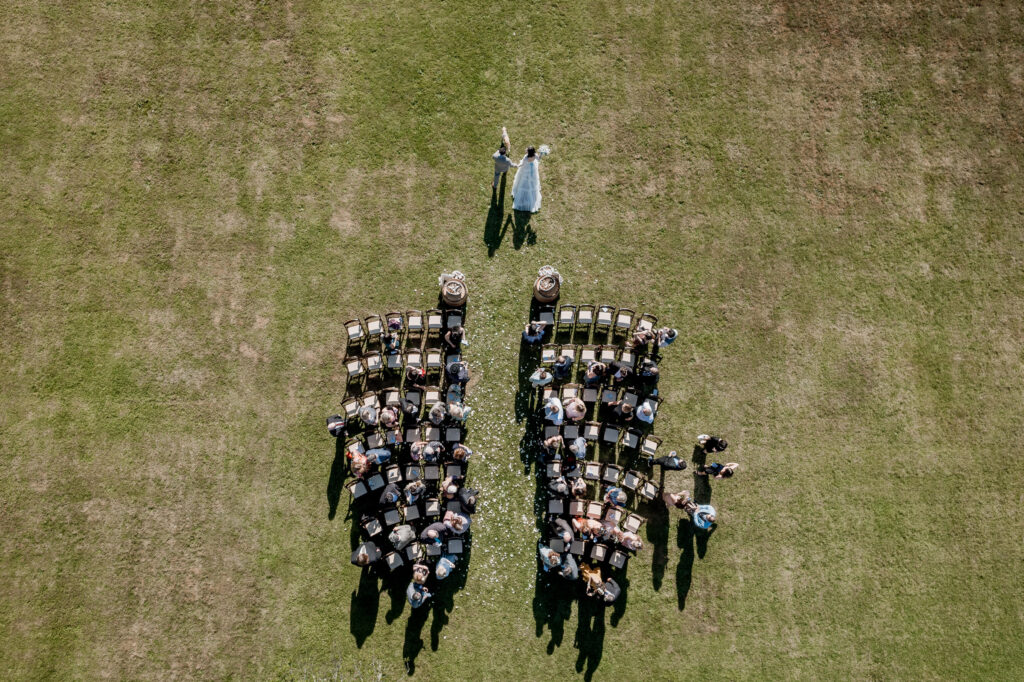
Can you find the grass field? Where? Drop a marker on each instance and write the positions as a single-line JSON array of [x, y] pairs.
[[825, 198]]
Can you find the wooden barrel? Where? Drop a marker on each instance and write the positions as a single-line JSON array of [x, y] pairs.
[[454, 293], [545, 289]]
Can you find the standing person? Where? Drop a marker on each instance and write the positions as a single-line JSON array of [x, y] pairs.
[[673, 461], [501, 164], [526, 185]]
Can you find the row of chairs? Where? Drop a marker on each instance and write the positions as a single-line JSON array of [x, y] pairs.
[[412, 323], [595, 551], [387, 438], [586, 354], [424, 397], [607, 318], [606, 395], [610, 474], [414, 551], [375, 363]]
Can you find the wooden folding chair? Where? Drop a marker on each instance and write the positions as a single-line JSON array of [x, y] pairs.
[[557, 544], [432, 396], [432, 507], [433, 549], [624, 321], [435, 322], [453, 470], [554, 469], [592, 430], [373, 528], [633, 523], [374, 327], [631, 439], [647, 323], [570, 391], [453, 434], [351, 408], [584, 317], [392, 397], [393, 362], [577, 507], [374, 440], [395, 316], [354, 328], [412, 472], [592, 471], [588, 354], [375, 482], [413, 434], [373, 363], [412, 513], [606, 354], [355, 446], [568, 351], [590, 395], [431, 432], [627, 356], [357, 488], [605, 318], [617, 559], [412, 551], [453, 318], [547, 315], [614, 514], [393, 474], [413, 358], [556, 507], [435, 359], [455, 546], [650, 446], [611, 473], [631, 398], [548, 354], [454, 506], [547, 392], [594, 509], [577, 547], [570, 431], [394, 561], [648, 490], [608, 396], [599, 552], [566, 318], [610, 434], [369, 399], [414, 322], [354, 367]]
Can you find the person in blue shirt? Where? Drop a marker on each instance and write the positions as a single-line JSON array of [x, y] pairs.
[[417, 594], [616, 497], [378, 455], [445, 566], [704, 518]]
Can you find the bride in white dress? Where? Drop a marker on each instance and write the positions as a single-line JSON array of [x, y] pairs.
[[526, 185]]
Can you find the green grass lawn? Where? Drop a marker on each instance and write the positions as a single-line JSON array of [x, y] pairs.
[[825, 198]]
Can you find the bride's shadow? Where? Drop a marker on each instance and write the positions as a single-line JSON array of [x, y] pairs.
[[522, 230]]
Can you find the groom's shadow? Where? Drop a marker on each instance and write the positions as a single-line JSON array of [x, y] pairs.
[[496, 225], [522, 230]]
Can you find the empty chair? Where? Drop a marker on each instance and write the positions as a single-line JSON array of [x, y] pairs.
[[412, 472], [547, 315], [453, 318], [627, 356], [633, 523], [631, 399], [394, 362], [588, 354], [413, 358], [617, 559], [557, 545], [414, 322], [435, 322], [550, 431], [592, 471], [648, 490], [453, 470], [570, 391], [554, 469], [631, 480], [611, 473], [435, 359], [357, 488], [393, 436], [631, 439], [354, 367], [577, 547], [594, 509], [433, 549], [453, 434], [354, 328], [570, 432], [609, 395], [590, 395], [375, 482], [432, 433], [374, 327], [592, 431], [453, 506], [650, 446], [355, 445], [584, 317], [624, 321], [611, 434], [394, 561], [455, 546], [647, 323], [414, 396], [374, 440], [547, 392], [606, 354], [614, 514], [373, 527], [373, 362], [432, 507], [599, 552], [369, 399], [412, 434], [351, 408], [577, 507], [548, 354], [432, 396], [431, 472], [391, 517], [412, 551], [605, 318], [392, 396], [393, 474], [566, 318], [555, 507], [412, 512]]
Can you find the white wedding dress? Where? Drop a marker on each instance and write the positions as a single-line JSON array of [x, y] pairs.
[[526, 186]]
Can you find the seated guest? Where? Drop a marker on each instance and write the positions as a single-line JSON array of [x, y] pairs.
[[336, 425], [534, 332], [461, 453], [553, 411], [391, 495], [608, 531], [365, 554], [414, 491], [704, 518], [456, 523], [666, 336], [433, 451], [561, 529], [541, 377], [569, 570], [680, 500], [558, 486], [418, 449], [368, 413], [645, 413], [389, 417], [420, 572], [400, 536], [611, 591], [578, 447], [648, 372], [394, 324], [548, 557], [596, 372], [378, 455], [435, 532], [549, 448], [621, 411], [623, 372], [445, 566], [389, 342], [575, 410], [417, 594], [616, 497], [671, 461], [457, 372], [467, 498], [592, 578], [630, 541], [410, 409], [453, 339], [641, 341], [416, 376], [449, 488], [578, 487], [718, 470], [711, 444], [360, 465], [459, 412], [562, 367], [438, 413]]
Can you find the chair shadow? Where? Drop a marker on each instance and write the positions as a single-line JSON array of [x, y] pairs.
[[684, 571], [552, 606], [496, 225], [522, 230], [589, 637], [364, 607]]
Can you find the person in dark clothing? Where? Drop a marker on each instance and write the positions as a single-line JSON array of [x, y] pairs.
[[467, 498], [562, 367], [611, 591], [336, 425], [457, 372], [435, 532], [453, 339], [718, 470], [621, 411], [711, 444], [365, 554], [410, 409], [561, 529], [391, 495], [671, 461], [417, 376]]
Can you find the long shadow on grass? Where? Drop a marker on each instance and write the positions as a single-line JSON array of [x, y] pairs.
[[363, 608], [522, 232], [336, 481], [496, 225], [589, 637], [684, 571]]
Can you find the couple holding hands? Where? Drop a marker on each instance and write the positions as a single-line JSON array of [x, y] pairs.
[[526, 184]]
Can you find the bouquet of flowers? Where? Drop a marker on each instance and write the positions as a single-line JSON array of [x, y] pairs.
[[543, 150]]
